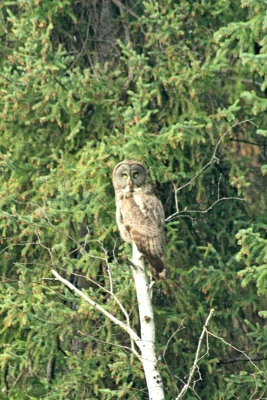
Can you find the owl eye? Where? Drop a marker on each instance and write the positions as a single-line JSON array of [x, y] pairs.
[[135, 175], [125, 176]]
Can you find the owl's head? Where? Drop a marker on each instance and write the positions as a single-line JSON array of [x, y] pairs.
[[130, 176]]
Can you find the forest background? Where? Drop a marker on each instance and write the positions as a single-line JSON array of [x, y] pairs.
[[180, 85]]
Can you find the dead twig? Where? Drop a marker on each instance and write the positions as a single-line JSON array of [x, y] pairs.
[[212, 160], [197, 358]]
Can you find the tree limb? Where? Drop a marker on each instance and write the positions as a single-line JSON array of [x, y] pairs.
[[99, 308], [147, 325], [210, 162], [197, 358]]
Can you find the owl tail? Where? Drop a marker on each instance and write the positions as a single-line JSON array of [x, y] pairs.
[[158, 270], [153, 253]]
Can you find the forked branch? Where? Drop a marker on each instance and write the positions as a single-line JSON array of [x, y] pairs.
[[197, 358], [99, 308], [212, 160]]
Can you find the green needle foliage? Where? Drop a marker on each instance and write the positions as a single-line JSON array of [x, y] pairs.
[[180, 85]]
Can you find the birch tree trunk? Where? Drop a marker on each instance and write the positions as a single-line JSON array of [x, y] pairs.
[[147, 343]]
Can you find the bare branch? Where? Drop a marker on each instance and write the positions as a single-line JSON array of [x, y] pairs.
[[210, 162], [123, 9], [256, 387], [180, 327], [247, 142], [111, 344], [18, 377], [197, 358], [239, 351], [99, 308], [202, 211]]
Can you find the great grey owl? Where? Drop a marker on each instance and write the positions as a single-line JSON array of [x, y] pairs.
[[139, 214]]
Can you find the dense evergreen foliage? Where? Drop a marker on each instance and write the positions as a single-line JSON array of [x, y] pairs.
[[180, 85]]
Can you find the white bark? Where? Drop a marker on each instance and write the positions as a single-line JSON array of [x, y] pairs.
[[147, 343], [98, 307]]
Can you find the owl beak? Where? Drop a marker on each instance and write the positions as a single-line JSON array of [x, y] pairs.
[[131, 183]]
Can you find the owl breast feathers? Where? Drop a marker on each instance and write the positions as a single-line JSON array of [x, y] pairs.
[[140, 215]]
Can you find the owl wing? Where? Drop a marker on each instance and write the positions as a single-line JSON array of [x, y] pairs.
[[143, 217]]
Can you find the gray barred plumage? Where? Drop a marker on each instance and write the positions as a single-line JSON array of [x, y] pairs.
[[139, 214]]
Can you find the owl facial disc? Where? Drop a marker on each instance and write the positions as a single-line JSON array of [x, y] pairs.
[[130, 177]]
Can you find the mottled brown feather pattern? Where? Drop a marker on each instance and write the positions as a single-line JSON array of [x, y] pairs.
[[140, 218]]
